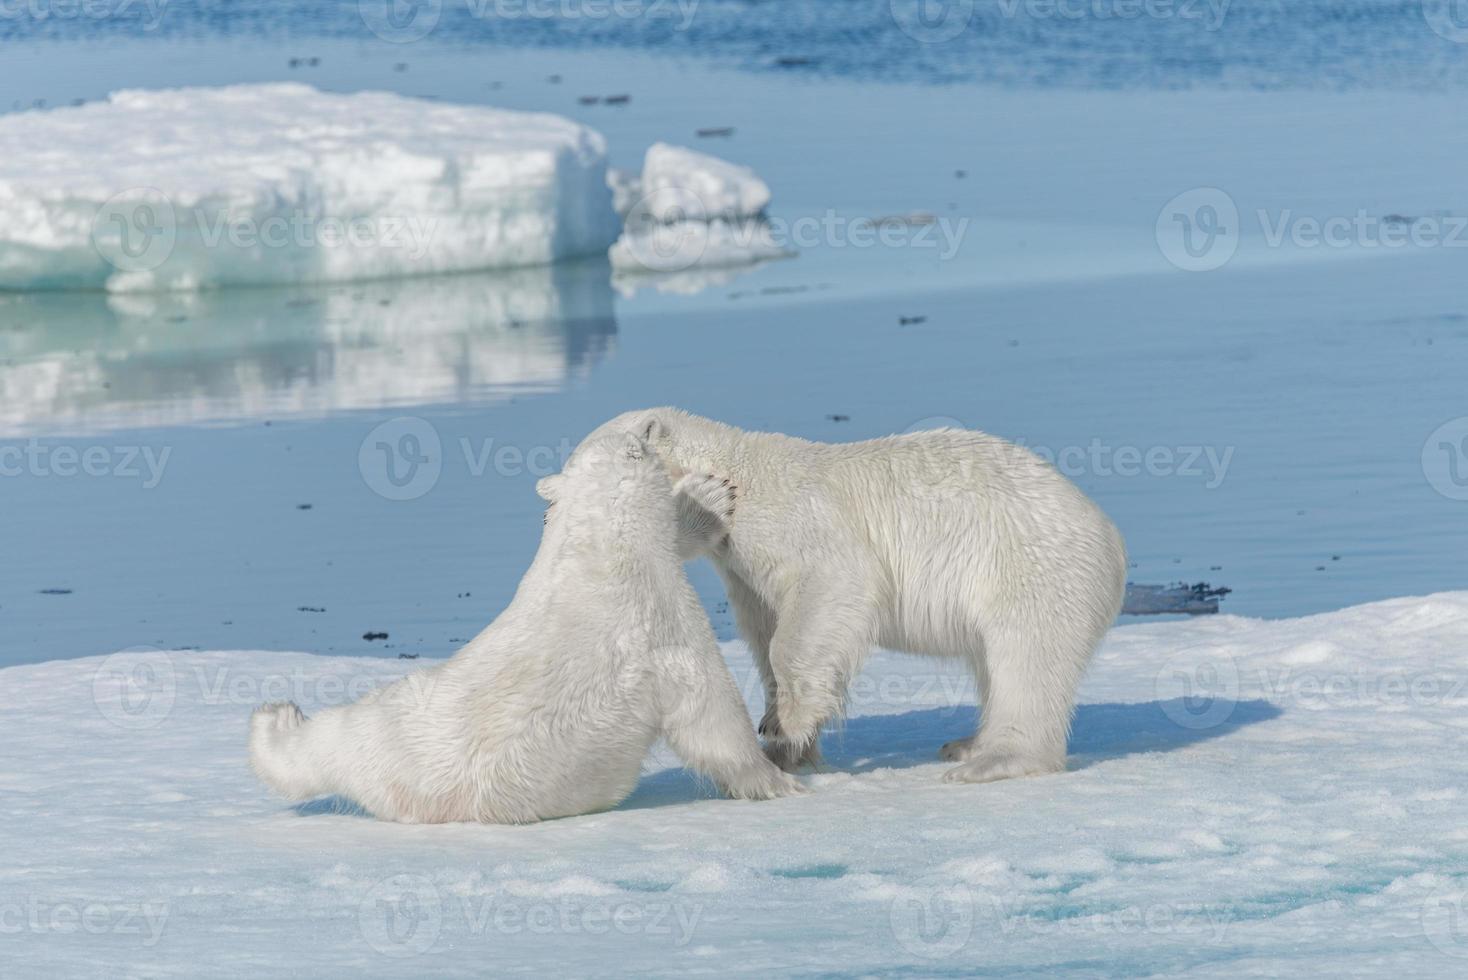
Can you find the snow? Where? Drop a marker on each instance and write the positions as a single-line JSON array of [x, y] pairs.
[[282, 183], [626, 188], [1245, 797]]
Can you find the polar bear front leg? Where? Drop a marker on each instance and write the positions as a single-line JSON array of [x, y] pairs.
[[757, 623], [705, 507], [705, 722], [819, 645]]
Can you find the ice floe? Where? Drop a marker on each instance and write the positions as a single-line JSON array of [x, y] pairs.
[[1229, 809], [679, 184], [280, 183], [688, 210]]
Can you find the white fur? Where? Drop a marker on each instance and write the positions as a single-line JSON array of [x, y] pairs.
[[551, 710], [949, 543]]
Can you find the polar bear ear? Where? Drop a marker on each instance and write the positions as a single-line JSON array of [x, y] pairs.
[[636, 448], [549, 487], [653, 430]]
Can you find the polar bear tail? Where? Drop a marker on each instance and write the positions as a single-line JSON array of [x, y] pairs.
[[278, 751]]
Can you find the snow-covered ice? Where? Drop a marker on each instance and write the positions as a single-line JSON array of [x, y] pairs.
[[675, 247], [186, 188], [679, 184], [686, 211], [1245, 797], [281, 183]]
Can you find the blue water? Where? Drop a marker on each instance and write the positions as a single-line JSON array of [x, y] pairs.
[[1293, 397], [1265, 44]]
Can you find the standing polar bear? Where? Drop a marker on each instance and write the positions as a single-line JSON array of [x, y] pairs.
[[949, 543], [551, 709]]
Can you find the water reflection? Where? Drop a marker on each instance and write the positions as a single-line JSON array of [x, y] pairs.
[[72, 363]]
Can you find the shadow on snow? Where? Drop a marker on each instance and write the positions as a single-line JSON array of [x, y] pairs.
[[1101, 732]]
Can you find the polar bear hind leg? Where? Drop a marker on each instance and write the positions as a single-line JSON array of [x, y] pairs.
[[1027, 675], [277, 751]]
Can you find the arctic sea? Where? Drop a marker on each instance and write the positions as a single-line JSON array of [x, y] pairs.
[[1208, 256], [987, 234]]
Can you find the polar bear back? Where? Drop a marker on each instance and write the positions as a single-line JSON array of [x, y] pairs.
[[935, 525]]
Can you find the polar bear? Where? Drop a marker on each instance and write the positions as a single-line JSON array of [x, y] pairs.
[[947, 542], [551, 710]]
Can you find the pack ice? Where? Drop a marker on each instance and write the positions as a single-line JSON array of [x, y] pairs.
[[186, 188]]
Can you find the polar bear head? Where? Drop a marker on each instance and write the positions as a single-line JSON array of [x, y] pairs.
[[685, 443], [614, 488]]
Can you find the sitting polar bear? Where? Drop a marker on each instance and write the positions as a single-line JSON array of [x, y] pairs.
[[551, 710], [948, 542]]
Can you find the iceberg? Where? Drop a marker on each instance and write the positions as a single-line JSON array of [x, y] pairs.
[[281, 183], [688, 209], [679, 184]]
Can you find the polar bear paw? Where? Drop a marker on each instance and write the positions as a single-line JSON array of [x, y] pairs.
[[792, 757], [789, 753], [714, 494], [277, 716], [705, 512], [765, 783], [991, 766], [278, 751], [958, 750]]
